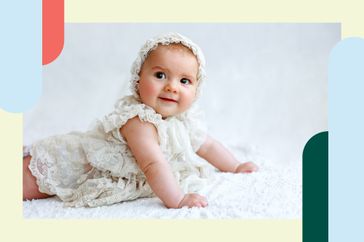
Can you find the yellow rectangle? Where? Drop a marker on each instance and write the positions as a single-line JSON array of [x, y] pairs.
[[348, 13]]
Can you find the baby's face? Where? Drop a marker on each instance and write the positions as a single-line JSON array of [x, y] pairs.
[[168, 80]]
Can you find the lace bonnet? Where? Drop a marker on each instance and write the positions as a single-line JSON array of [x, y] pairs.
[[166, 39]]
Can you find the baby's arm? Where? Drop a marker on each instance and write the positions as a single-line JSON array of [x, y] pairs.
[[216, 154], [142, 139]]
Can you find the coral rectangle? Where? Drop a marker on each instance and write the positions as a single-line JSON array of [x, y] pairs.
[[53, 29]]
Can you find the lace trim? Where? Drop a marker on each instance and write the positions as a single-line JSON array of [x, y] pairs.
[[127, 108], [57, 162], [106, 189], [39, 170]]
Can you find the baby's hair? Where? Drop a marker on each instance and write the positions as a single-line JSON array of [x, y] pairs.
[[179, 46], [174, 46]]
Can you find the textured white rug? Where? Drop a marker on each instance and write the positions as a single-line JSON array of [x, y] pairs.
[[272, 192]]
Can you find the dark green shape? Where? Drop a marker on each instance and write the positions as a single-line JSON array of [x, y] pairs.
[[315, 189]]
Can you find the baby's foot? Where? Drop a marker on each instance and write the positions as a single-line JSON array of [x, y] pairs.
[[247, 167]]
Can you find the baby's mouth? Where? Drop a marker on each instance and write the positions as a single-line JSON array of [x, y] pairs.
[[168, 99]]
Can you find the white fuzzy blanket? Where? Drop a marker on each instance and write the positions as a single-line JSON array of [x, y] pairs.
[[272, 192]]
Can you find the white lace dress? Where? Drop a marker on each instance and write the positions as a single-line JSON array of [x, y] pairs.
[[61, 164]]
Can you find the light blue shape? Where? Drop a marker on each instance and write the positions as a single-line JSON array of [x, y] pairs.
[[346, 145], [20, 54]]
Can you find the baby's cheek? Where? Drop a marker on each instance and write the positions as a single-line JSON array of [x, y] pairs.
[[192, 96], [188, 100], [148, 90]]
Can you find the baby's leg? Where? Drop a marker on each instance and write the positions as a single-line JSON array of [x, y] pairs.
[[30, 187]]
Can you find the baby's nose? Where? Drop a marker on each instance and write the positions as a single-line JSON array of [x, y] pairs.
[[171, 87]]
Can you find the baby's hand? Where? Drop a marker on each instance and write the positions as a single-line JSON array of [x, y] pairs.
[[246, 167], [193, 200]]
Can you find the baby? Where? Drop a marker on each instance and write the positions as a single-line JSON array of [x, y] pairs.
[[147, 146]]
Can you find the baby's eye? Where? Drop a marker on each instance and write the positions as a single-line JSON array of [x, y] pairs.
[[160, 75], [185, 81]]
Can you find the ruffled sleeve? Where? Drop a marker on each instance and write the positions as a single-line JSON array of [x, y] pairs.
[[193, 119], [125, 109], [105, 147]]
